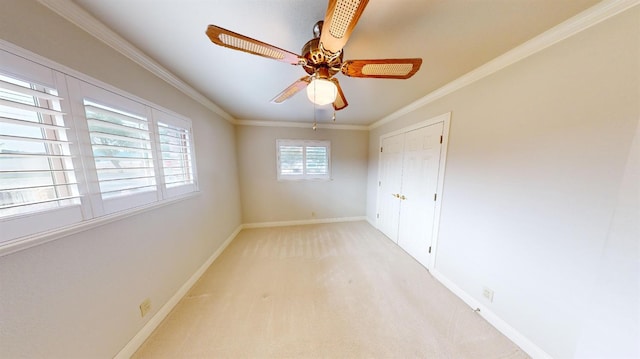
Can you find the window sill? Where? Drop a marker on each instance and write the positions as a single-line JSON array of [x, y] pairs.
[[23, 243]]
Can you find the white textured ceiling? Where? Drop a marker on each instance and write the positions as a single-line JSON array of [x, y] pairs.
[[452, 37]]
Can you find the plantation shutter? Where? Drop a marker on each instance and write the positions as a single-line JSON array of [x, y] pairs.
[[36, 169], [291, 160], [121, 145], [39, 189], [120, 136], [303, 160], [316, 163], [176, 154]]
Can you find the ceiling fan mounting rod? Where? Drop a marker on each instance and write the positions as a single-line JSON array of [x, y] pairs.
[[317, 29]]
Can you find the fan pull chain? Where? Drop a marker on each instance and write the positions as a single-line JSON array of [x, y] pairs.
[[315, 125], [335, 95]]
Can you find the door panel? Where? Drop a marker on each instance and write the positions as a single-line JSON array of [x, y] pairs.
[[420, 167], [390, 184]]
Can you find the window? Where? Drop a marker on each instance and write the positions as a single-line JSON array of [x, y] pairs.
[[122, 168], [71, 151], [303, 160], [39, 188]]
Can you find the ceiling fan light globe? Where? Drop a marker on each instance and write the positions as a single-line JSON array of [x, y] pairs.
[[322, 92]]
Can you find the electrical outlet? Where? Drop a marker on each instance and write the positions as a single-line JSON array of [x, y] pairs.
[[487, 293], [145, 307]]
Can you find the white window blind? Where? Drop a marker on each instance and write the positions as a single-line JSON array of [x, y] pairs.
[[121, 144], [36, 169], [317, 160], [175, 140], [175, 147], [303, 160], [291, 159]]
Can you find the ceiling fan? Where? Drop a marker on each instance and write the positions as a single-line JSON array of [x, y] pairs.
[[322, 56]]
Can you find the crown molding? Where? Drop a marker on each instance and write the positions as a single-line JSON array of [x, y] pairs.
[[578, 23], [328, 126], [79, 17]]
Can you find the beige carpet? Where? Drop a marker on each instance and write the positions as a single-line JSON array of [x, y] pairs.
[[333, 290]]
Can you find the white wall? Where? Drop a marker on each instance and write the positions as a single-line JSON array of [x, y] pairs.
[[614, 299], [265, 199], [78, 296], [540, 199]]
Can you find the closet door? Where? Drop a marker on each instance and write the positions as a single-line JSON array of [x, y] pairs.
[[390, 185], [420, 166]]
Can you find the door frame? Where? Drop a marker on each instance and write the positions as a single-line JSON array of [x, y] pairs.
[[445, 118]]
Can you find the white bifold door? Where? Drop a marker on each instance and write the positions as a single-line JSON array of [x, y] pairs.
[[409, 168]]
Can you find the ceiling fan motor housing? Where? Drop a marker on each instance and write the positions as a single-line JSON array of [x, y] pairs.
[[317, 59]]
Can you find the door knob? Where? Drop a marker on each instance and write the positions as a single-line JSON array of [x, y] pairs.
[[402, 197]]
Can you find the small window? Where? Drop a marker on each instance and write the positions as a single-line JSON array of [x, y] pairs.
[[303, 160]]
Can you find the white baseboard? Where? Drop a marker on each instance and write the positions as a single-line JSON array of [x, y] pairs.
[[155, 321], [372, 222], [303, 222], [510, 332]]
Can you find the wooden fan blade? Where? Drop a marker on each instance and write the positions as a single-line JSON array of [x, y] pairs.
[[340, 20], [382, 69], [292, 90], [341, 101], [232, 40]]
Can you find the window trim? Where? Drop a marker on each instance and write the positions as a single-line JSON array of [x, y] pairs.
[[304, 176]]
